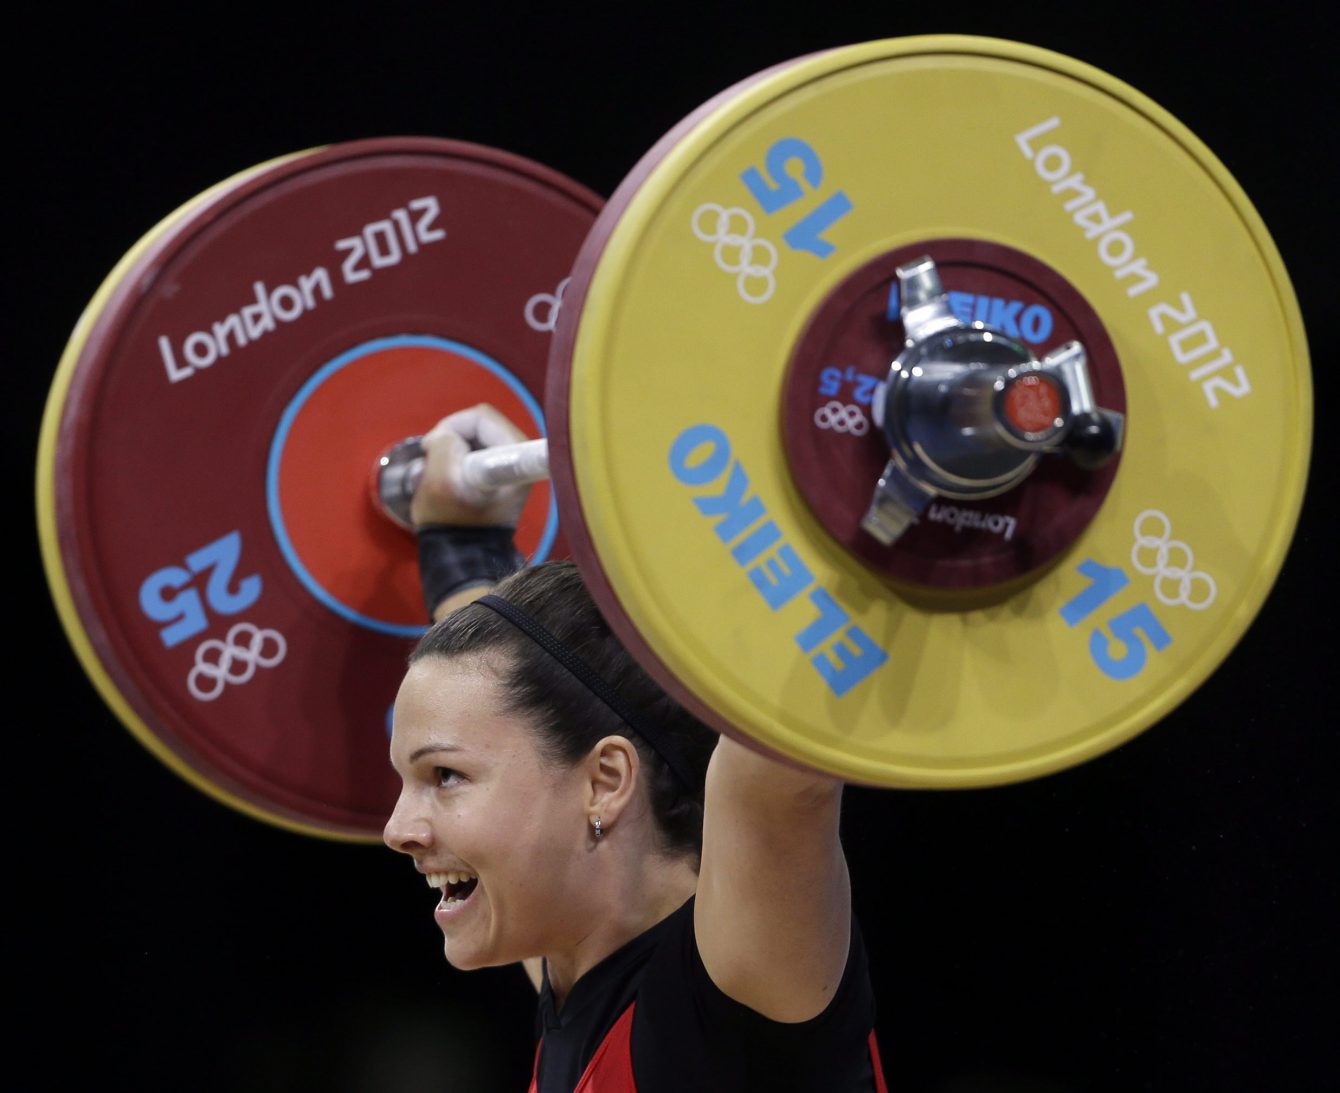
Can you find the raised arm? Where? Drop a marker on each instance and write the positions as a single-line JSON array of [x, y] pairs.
[[773, 910], [444, 501]]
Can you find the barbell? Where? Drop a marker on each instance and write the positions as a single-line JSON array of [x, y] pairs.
[[932, 411]]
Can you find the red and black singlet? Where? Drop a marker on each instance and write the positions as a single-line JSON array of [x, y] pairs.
[[649, 1019]]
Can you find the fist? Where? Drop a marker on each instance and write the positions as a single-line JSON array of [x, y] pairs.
[[443, 496]]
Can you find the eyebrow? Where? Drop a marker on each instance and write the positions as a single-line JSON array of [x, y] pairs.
[[428, 749]]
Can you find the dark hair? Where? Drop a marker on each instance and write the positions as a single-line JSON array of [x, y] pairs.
[[568, 718]]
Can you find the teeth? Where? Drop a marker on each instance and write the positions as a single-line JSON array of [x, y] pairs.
[[441, 880]]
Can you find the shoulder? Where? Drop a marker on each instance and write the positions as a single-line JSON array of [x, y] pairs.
[[687, 1033]]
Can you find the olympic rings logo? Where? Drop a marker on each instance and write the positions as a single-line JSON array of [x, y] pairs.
[[551, 303], [737, 251], [842, 417], [234, 660], [1169, 562]]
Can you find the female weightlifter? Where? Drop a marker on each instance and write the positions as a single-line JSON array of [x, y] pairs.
[[681, 902]]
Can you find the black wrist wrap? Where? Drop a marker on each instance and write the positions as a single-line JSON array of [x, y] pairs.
[[452, 557]]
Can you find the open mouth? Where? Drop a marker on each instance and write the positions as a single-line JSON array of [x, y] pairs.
[[456, 886]]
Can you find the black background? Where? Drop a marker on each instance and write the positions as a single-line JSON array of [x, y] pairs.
[[1157, 919]]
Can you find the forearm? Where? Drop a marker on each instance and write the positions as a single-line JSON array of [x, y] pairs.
[[458, 564], [459, 599], [465, 534], [770, 785]]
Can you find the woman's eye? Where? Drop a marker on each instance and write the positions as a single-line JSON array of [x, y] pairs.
[[446, 776]]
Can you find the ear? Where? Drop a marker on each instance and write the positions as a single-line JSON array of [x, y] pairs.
[[612, 768]]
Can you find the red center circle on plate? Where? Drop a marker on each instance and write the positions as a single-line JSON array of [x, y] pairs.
[[333, 432], [1032, 404], [836, 455]]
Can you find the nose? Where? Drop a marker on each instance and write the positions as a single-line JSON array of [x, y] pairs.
[[408, 829]]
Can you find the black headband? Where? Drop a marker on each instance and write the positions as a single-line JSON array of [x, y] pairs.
[[597, 686]]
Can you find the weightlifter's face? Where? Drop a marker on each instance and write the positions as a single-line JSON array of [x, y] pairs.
[[492, 823]]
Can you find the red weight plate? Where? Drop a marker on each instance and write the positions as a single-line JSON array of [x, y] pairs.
[[246, 601], [836, 455]]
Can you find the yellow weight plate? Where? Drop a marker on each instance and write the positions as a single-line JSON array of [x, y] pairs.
[[689, 298]]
